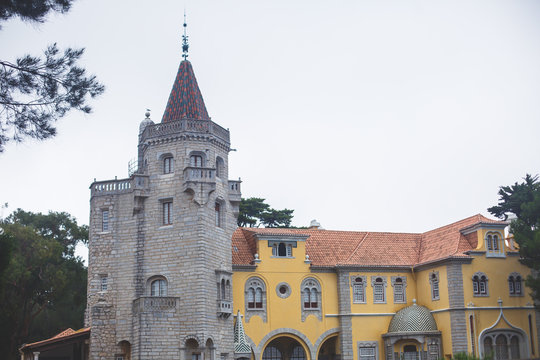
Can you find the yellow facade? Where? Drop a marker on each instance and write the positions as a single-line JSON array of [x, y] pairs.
[[349, 324]]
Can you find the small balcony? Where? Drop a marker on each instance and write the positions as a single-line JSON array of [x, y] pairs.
[[146, 304], [235, 195], [199, 174], [224, 308]]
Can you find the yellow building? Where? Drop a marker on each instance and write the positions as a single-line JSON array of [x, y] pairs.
[[322, 294]]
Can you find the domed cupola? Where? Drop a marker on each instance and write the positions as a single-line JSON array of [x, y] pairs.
[[414, 318], [147, 121]]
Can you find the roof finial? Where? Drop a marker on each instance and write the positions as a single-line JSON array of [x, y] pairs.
[[185, 45]]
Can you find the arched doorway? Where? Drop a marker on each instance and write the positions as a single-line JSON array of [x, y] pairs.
[[329, 349], [284, 348]]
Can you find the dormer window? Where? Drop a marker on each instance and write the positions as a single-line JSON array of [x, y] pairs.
[[282, 249], [494, 246]]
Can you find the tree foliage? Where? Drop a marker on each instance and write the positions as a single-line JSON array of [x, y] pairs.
[[43, 285], [523, 200], [254, 212], [36, 91]]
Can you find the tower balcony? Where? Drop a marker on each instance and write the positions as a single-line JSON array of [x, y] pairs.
[[146, 304], [224, 308], [199, 174], [136, 183], [235, 195]]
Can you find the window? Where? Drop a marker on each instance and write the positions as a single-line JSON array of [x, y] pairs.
[[103, 282], [310, 292], [298, 353], [105, 220], [281, 249], [220, 167], [502, 344], [158, 288], [379, 284], [255, 298], [479, 282], [196, 161], [494, 246], [168, 165], [367, 353], [195, 356], [399, 283], [271, 353], [359, 289], [218, 213], [434, 281], [471, 328], [514, 284], [367, 350], [167, 212]]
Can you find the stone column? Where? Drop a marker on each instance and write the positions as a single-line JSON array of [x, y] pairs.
[[344, 298], [36, 355]]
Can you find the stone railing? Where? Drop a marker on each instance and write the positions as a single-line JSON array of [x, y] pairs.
[[108, 187], [185, 126], [192, 173], [235, 193], [154, 303]]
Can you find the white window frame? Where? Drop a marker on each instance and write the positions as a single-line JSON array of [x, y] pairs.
[[435, 285], [379, 289], [105, 220], [400, 285], [358, 289]]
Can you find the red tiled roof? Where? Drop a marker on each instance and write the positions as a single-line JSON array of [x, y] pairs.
[[354, 248], [185, 100], [64, 335]]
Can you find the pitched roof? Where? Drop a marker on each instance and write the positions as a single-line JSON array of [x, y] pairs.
[[67, 334], [185, 100], [356, 248]]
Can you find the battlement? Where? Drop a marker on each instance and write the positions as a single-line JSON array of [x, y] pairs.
[[155, 131]]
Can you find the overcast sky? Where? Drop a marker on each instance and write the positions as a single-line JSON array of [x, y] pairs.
[[393, 116]]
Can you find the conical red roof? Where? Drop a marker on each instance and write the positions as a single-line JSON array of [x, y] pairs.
[[185, 101]]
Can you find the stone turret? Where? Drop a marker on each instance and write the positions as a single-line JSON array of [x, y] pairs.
[[160, 241]]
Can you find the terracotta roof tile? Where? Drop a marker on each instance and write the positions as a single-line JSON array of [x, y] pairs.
[[355, 248], [64, 335]]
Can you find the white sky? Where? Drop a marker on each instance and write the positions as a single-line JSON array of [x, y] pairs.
[[365, 115]]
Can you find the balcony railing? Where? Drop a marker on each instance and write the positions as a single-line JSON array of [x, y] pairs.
[[154, 304], [185, 126], [192, 173], [224, 307], [108, 187]]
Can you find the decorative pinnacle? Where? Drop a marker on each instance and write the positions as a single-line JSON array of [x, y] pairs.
[[185, 44]]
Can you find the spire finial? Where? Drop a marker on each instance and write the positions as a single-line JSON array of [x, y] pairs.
[[185, 45]]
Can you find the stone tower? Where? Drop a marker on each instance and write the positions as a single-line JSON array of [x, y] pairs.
[[159, 272]]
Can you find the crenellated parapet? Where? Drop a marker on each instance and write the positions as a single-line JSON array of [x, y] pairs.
[[188, 128]]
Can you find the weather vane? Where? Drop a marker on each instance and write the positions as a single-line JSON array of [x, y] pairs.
[[185, 45]]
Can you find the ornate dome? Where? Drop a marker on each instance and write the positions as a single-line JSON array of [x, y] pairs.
[[414, 318], [145, 123]]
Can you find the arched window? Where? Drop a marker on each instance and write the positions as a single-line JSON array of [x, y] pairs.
[[228, 290], [223, 290], [255, 298], [282, 251], [399, 283], [502, 344], [501, 347], [480, 284], [359, 294], [220, 167], [158, 287], [434, 281], [219, 215], [494, 246], [196, 161], [379, 284], [514, 284], [311, 294], [168, 165]]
